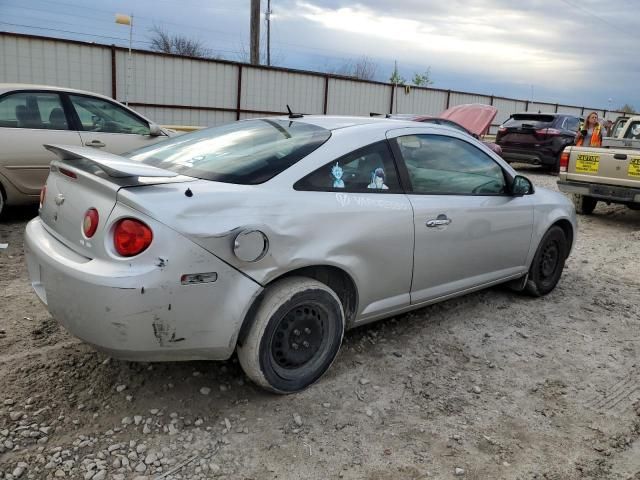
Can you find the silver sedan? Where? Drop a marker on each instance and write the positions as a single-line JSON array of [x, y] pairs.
[[272, 236]]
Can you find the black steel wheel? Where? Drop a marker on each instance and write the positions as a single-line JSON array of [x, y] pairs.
[[548, 262], [296, 335]]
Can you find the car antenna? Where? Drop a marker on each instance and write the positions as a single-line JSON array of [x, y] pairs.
[[293, 115]]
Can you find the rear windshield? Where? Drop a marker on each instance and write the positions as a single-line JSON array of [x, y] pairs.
[[247, 152], [533, 120]]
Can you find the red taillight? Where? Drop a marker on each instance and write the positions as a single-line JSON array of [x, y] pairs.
[[131, 237], [564, 161], [502, 129], [90, 222], [548, 132], [43, 195]]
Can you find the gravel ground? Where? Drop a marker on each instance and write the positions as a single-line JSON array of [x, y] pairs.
[[488, 386]]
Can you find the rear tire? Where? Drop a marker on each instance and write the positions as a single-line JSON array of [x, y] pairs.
[[548, 263], [584, 205], [3, 201], [296, 333], [634, 206]]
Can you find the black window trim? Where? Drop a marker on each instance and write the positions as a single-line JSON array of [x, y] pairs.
[[59, 93], [406, 179], [298, 186]]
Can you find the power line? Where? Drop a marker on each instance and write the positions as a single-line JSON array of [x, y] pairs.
[[604, 20], [93, 35]]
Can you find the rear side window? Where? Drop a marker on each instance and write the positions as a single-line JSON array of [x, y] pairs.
[[248, 152], [530, 120], [39, 110], [370, 169]]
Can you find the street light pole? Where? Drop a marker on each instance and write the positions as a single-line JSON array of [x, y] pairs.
[[127, 20]]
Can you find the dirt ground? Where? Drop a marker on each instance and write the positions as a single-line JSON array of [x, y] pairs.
[[493, 385]]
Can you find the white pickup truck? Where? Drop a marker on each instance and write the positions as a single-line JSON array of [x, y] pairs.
[[610, 174]]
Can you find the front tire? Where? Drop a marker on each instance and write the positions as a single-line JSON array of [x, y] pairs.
[[548, 263], [584, 205], [296, 334]]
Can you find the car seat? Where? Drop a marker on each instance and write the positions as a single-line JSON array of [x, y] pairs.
[[57, 119]]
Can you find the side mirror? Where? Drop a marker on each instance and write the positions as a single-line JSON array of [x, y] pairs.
[[155, 130], [521, 186]]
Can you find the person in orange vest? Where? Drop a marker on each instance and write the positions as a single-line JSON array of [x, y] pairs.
[[591, 133]]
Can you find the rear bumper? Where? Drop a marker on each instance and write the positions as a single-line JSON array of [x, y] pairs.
[[141, 314], [531, 156], [610, 193]]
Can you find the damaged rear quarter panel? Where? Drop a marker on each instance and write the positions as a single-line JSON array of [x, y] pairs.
[[367, 235]]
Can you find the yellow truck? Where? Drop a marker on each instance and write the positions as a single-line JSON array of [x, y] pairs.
[[610, 174]]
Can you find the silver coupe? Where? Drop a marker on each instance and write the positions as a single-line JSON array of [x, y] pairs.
[[272, 236]]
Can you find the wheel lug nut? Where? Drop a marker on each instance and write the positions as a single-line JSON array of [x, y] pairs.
[[305, 344], [307, 330], [296, 332], [295, 346]]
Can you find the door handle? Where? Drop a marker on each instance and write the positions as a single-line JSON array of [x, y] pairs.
[[95, 143], [438, 222], [620, 156]]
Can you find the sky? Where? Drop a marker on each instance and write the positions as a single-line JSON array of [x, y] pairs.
[[577, 52]]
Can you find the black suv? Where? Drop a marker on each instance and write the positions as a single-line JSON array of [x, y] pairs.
[[537, 138]]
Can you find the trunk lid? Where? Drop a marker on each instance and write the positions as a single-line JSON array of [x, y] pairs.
[[85, 178]]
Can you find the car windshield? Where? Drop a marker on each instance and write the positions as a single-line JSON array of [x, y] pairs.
[[247, 152]]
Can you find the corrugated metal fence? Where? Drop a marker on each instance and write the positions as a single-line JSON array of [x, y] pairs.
[[177, 90]]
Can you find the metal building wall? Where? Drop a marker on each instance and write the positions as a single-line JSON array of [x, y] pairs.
[[458, 98], [168, 80], [351, 97], [273, 90], [541, 107], [176, 90], [52, 62], [419, 100], [182, 116]]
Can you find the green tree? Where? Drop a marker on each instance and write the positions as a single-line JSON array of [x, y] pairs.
[[423, 79], [396, 77]]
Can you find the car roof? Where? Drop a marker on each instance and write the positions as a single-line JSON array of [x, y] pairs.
[[8, 87], [335, 122]]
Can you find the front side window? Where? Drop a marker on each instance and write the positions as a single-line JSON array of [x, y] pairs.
[[247, 152], [97, 115], [39, 110], [370, 169], [442, 165]]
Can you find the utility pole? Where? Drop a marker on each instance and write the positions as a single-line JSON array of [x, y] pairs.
[[267, 17], [255, 32]]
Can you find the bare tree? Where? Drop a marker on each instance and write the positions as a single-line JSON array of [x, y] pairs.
[[626, 108], [363, 68], [163, 41]]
